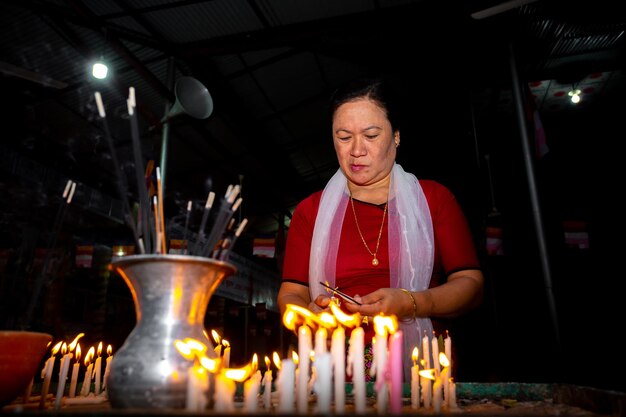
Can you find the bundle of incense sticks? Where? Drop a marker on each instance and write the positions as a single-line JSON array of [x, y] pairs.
[[214, 239]]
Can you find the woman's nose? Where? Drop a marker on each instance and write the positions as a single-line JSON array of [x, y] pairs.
[[358, 148]]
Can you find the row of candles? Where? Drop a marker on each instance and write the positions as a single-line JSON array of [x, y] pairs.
[[93, 372], [316, 370]]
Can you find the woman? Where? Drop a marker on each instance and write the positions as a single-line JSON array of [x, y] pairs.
[[397, 245]]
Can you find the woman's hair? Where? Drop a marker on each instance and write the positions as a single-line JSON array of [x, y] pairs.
[[374, 88]]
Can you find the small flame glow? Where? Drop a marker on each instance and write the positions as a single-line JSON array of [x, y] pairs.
[[78, 352], [443, 360], [384, 324], [276, 360], [348, 320], [109, 350], [56, 348], [415, 355], [267, 362], [211, 365], [238, 374], [89, 356], [216, 336], [100, 349], [295, 357], [427, 373], [75, 341]]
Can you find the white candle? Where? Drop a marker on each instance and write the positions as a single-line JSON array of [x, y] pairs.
[[445, 384], [226, 356], [46, 374], [437, 395], [426, 384], [304, 352], [197, 388], [88, 372], [224, 394], [356, 368], [286, 382], [98, 370], [435, 352], [452, 398], [251, 393], [323, 382], [321, 336], [379, 365], [415, 387], [426, 351], [64, 369], [106, 366], [75, 370], [267, 386], [338, 352], [447, 344]]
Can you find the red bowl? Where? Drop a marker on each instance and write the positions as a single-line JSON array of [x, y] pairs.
[[21, 354]]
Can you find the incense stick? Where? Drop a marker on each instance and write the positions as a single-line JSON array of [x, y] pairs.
[[120, 181], [161, 214], [205, 215], [144, 201], [225, 212], [230, 244], [187, 216]]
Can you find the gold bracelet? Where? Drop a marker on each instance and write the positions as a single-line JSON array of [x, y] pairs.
[[413, 300]]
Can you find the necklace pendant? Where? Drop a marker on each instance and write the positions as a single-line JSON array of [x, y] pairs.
[[374, 261]]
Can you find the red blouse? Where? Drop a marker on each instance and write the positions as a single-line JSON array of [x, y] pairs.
[[454, 245]]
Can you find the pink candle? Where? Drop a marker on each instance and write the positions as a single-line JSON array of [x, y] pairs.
[[338, 352], [395, 371]]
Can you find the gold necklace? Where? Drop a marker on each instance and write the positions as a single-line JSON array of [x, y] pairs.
[[375, 261]]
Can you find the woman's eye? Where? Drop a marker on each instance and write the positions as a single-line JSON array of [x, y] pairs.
[[371, 136], [343, 138]]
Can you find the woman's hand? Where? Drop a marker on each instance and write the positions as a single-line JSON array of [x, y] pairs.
[[388, 301], [321, 303]]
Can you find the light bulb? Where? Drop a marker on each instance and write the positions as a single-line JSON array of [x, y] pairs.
[[99, 70], [574, 95], [575, 98]]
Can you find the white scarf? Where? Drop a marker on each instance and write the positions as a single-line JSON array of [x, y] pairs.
[[411, 245]]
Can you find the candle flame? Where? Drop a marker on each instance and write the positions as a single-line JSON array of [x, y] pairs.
[[327, 320], [295, 357], [100, 349], [75, 341], [89, 356], [415, 354], [211, 365], [56, 348], [349, 320], [295, 314], [225, 343], [109, 350], [216, 336], [267, 362], [238, 374], [427, 373], [64, 349], [184, 349], [384, 324], [255, 361], [78, 352], [277, 360], [443, 360]]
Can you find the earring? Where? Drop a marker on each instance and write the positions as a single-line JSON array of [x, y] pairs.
[[397, 144]]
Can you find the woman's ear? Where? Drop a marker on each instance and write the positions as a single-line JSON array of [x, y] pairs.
[[397, 139]]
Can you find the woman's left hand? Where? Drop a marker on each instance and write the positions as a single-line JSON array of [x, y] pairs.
[[387, 301]]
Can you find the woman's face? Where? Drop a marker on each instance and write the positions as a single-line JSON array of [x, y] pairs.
[[364, 141]]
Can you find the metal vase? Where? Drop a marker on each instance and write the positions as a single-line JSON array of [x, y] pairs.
[[171, 294]]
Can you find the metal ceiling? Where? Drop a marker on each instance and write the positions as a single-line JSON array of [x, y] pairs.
[[269, 66]]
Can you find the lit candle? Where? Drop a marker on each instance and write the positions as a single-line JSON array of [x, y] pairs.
[[415, 383], [47, 374], [452, 398], [304, 352], [75, 370], [321, 336], [197, 388], [437, 395], [64, 369], [106, 366], [251, 392], [435, 351], [395, 371], [356, 368], [86, 388], [217, 338], [338, 352], [98, 370], [382, 326], [286, 382], [426, 351], [226, 356], [267, 386], [445, 376], [224, 394], [323, 382], [426, 377]]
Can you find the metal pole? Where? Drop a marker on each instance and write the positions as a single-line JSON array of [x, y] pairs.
[[166, 124], [528, 163]]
